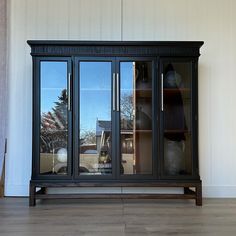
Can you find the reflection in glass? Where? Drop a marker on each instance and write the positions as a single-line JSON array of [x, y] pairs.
[[95, 118], [54, 121], [177, 123], [136, 117]]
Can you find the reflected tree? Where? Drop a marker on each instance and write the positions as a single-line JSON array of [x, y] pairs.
[[126, 104], [88, 137], [54, 126]]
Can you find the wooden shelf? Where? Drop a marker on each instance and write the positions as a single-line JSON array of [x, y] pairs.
[[137, 131], [143, 131], [176, 90], [143, 93], [143, 89], [173, 131]]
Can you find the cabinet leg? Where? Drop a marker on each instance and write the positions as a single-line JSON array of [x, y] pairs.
[[32, 200], [199, 195], [186, 190], [44, 190]]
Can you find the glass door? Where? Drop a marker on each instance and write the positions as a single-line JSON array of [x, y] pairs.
[[177, 125], [94, 136], [135, 118], [54, 142]]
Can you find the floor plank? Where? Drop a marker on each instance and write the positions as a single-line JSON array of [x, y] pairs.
[[117, 217]]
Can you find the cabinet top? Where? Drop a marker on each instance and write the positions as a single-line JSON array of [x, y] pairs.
[[114, 48], [116, 43]]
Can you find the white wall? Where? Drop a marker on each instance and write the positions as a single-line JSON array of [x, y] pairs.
[[3, 84], [212, 21]]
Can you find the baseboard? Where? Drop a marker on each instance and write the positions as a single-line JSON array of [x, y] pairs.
[[219, 191], [13, 190], [1, 189], [2, 178], [208, 191], [1, 185]]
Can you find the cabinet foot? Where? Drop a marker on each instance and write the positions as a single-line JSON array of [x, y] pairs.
[[32, 200], [186, 190], [199, 195]]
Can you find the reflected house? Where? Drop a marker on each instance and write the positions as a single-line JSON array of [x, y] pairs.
[[95, 153], [87, 147], [101, 138], [92, 154], [103, 135]]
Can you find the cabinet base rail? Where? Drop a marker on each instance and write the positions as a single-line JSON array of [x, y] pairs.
[[188, 193]]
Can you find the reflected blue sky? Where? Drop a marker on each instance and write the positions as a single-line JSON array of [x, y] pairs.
[[126, 75], [95, 91], [95, 75], [53, 81], [95, 88], [95, 94]]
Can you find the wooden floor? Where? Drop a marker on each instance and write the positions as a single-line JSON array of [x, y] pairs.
[[117, 217]]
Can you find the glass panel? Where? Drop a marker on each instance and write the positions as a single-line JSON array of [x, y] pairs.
[[136, 117], [95, 118], [177, 118], [54, 120]]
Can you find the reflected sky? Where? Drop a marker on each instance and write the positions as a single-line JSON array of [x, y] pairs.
[[126, 74], [95, 94], [53, 81], [95, 88], [95, 91]]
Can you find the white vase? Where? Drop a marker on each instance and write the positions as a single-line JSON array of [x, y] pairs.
[[174, 157]]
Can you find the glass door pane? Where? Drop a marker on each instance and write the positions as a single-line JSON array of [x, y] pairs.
[[136, 117], [177, 81], [54, 118], [95, 118]]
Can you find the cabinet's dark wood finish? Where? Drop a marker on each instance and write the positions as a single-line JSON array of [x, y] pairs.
[[153, 58], [114, 48], [188, 193]]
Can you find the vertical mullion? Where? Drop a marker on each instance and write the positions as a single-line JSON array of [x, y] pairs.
[[36, 117], [155, 119], [76, 118], [194, 119], [161, 122], [117, 126], [69, 117]]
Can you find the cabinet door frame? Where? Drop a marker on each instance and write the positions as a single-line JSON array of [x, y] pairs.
[[194, 118], [36, 109], [155, 127], [76, 119]]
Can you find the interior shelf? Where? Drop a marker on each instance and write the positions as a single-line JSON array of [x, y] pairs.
[[143, 93], [176, 90], [172, 131], [138, 131]]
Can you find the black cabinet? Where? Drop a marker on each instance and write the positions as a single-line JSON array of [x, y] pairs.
[[115, 114]]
